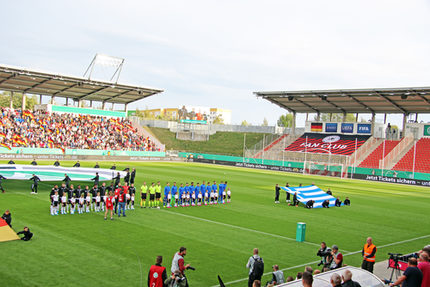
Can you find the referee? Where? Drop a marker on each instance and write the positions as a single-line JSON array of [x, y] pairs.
[[143, 194], [152, 195]]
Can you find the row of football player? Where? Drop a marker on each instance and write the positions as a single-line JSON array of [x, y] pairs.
[[190, 198], [86, 202]]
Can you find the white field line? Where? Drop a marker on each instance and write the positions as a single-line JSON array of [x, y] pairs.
[[239, 227], [313, 262]]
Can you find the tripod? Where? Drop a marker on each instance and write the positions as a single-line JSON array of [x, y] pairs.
[[395, 267]]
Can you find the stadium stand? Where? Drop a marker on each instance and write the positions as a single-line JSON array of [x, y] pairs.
[[422, 163], [47, 130], [337, 144], [372, 161]]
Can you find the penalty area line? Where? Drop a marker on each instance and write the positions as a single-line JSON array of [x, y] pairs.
[[313, 262], [239, 227]]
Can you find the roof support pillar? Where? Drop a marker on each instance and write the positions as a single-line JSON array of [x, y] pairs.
[[67, 102], [373, 122], [80, 104], [356, 117], [344, 117], [307, 115], [40, 99], [125, 109], [416, 117], [23, 102], [52, 100], [385, 119], [103, 105], [293, 124], [11, 100], [91, 104], [318, 116], [405, 118]]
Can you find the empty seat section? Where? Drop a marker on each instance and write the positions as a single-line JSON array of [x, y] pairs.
[[372, 161]]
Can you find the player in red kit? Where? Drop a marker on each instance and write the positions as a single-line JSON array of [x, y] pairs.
[[109, 205]]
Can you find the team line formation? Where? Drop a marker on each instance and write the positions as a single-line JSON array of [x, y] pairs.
[[120, 197]]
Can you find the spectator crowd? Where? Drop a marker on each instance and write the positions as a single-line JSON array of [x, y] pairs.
[[52, 130]]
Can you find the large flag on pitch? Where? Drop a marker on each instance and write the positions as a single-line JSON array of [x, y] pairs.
[[6, 233], [311, 192]]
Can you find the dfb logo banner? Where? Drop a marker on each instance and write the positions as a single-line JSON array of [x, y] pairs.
[[331, 127], [427, 130]]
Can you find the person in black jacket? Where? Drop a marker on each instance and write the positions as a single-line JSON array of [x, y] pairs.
[[325, 204], [67, 180], [127, 177], [277, 189], [35, 180], [27, 234], [117, 179], [7, 216], [347, 201], [11, 162], [310, 204], [57, 163], [33, 162], [132, 175], [97, 165], [96, 179], [113, 167], [338, 202], [77, 164], [295, 200], [1, 186]]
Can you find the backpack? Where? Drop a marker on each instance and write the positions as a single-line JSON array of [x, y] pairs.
[[258, 268]]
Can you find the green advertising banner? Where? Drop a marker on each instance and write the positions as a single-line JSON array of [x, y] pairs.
[[427, 130]]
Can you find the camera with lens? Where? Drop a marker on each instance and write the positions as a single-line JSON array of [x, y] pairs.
[[323, 253], [395, 256], [191, 268]]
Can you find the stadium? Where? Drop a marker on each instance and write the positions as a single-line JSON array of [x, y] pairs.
[[103, 190]]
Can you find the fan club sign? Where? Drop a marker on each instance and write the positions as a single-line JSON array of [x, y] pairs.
[[332, 144]]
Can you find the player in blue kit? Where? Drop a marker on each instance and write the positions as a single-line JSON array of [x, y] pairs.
[[181, 192], [215, 191], [209, 190], [166, 192], [174, 190]]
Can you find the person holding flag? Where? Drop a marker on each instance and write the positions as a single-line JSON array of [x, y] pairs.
[[1, 186], [35, 180]]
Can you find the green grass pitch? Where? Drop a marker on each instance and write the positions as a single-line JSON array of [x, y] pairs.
[[85, 250]]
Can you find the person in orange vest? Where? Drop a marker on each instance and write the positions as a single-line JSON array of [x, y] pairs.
[[157, 274], [368, 253]]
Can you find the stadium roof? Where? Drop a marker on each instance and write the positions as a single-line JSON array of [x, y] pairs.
[[42, 83], [385, 101]]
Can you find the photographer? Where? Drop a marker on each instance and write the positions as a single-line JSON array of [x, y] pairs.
[[176, 280], [178, 263], [324, 253], [337, 258]]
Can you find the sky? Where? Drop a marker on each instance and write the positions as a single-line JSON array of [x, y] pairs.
[[217, 53]]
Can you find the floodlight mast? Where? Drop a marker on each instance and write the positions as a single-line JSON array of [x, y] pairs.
[[105, 60]]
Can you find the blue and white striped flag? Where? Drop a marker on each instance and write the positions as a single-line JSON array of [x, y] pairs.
[[311, 192]]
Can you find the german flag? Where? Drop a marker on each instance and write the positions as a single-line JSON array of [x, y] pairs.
[[5, 146], [2, 135], [63, 150], [50, 141], [50, 144], [6, 233], [316, 127]]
